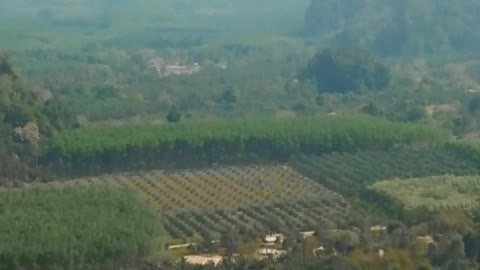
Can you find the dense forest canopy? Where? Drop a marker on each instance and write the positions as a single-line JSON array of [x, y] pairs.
[[347, 71], [397, 28], [27, 116]]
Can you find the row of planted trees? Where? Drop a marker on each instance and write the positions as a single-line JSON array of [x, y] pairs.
[[191, 142], [350, 173], [75, 228]]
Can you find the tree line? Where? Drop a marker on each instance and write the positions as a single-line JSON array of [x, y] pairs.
[[192, 141]]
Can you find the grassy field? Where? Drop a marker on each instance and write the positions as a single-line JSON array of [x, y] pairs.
[[75, 228], [253, 200], [432, 193]]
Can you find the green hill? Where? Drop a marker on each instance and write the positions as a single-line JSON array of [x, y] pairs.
[[397, 28]]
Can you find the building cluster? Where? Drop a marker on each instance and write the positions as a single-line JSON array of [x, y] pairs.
[[166, 69]]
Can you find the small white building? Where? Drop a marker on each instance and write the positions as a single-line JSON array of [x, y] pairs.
[[308, 234], [203, 259], [319, 250], [164, 69], [378, 228], [381, 253], [273, 237], [275, 253], [427, 239]]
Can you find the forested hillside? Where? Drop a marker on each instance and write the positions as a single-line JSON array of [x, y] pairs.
[[27, 116], [398, 28]]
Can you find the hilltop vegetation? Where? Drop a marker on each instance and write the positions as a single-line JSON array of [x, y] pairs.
[[26, 115], [397, 28]]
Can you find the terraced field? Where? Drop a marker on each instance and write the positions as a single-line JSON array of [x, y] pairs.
[[253, 200]]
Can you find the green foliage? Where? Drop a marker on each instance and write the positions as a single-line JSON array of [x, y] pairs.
[[343, 71], [174, 115], [249, 61], [372, 109], [272, 138], [20, 104], [466, 150], [432, 193], [252, 200], [21, 107], [397, 28], [473, 104], [6, 67], [350, 174], [291, 262], [229, 97], [74, 228], [81, 46]]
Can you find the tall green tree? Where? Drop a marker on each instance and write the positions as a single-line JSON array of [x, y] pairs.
[[344, 71]]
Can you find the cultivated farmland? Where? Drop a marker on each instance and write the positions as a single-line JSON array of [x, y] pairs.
[[253, 200], [351, 173], [432, 193]]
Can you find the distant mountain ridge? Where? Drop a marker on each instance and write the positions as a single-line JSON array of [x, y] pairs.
[[397, 28]]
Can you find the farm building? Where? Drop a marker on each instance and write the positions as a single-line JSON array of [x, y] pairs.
[[275, 253], [165, 69], [307, 234], [274, 237], [378, 228], [427, 239], [203, 259]]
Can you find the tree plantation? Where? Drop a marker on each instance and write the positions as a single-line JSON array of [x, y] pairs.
[[218, 140], [75, 228], [251, 200], [432, 193], [239, 135]]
